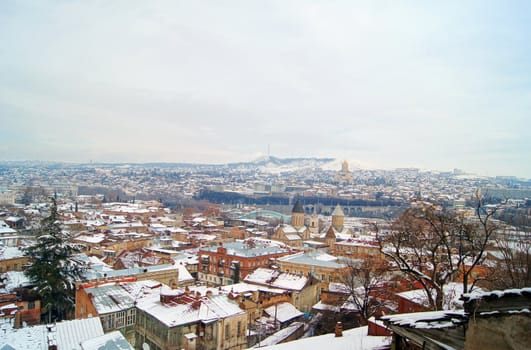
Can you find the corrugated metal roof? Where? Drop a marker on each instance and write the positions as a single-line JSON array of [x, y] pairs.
[[110, 298], [110, 341], [70, 334], [66, 335]]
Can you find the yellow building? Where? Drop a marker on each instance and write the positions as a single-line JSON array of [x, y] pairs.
[[12, 259], [324, 267]]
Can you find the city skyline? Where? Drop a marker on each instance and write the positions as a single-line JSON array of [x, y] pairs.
[[380, 84]]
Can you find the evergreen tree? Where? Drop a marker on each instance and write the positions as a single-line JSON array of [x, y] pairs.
[[53, 268]]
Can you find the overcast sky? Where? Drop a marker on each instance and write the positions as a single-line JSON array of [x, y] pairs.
[[383, 84]]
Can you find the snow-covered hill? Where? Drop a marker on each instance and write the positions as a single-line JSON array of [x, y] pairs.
[[275, 165]]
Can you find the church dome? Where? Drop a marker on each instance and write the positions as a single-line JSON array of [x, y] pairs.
[[338, 211], [297, 208]]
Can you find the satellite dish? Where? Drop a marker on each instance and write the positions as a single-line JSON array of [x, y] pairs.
[[145, 346]]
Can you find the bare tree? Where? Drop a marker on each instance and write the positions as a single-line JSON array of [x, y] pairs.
[[513, 268], [420, 243], [474, 235], [434, 246], [365, 281]]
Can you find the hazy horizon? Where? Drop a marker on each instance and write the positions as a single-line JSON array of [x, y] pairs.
[[381, 84]]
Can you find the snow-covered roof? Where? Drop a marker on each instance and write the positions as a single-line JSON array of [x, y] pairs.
[[325, 307], [66, 334], [497, 293], [277, 279], [70, 333], [15, 279], [451, 300], [425, 320], [203, 237], [110, 341], [283, 312], [250, 248], [318, 259], [244, 287], [162, 219], [184, 274], [97, 238], [280, 336], [10, 253], [186, 259], [337, 287], [293, 237], [109, 298], [95, 273], [210, 309], [5, 229], [352, 339], [126, 225]]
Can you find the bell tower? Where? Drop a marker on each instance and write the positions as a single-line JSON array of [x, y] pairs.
[[338, 218], [297, 215]]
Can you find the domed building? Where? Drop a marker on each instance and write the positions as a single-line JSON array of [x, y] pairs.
[[336, 230], [295, 233], [344, 176]]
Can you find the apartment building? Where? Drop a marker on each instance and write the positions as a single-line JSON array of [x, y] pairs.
[[230, 263]]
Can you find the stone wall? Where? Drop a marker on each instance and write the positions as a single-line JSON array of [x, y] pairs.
[[499, 332]]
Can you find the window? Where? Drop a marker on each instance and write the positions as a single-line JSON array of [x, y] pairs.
[[120, 319], [131, 317], [239, 328], [227, 331], [107, 321], [31, 305]]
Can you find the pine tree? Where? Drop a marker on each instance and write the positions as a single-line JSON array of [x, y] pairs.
[[53, 268]]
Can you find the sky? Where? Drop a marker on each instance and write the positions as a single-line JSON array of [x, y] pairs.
[[383, 84]]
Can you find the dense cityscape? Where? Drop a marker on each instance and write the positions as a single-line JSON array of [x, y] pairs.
[[277, 175], [257, 254]]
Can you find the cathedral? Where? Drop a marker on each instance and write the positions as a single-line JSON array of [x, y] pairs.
[[296, 232], [344, 176], [337, 230]]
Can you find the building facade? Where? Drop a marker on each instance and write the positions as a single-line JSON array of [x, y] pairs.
[[232, 262]]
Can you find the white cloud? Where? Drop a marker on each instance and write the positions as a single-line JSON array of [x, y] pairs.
[[386, 83]]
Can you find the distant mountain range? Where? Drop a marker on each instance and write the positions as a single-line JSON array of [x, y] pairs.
[[267, 163], [275, 164]]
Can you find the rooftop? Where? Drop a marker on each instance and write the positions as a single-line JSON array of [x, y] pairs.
[[66, 335], [430, 319], [277, 279], [248, 249], [352, 339], [209, 309], [316, 259], [92, 274]]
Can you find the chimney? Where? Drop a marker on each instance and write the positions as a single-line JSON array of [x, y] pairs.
[[339, 329], [18, 319]]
